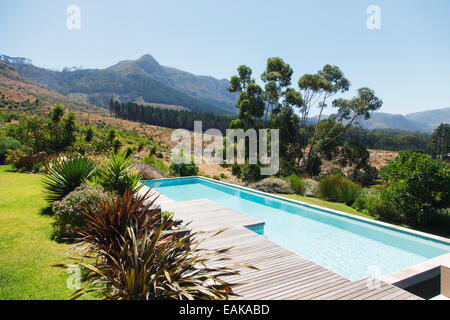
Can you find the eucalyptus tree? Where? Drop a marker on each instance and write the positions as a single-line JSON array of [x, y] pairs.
[[251, 99], [440, 140], [277, 79], [316, 89]]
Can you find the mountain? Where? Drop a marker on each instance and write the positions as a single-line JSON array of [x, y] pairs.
[[206, 88], [16, 88], [432, 118], [380, 120], [425, 121], [143, 79]]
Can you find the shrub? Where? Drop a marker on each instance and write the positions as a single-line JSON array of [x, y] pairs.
[[370, 202], [236, 170], [116, 175], [337, 188], [223, 176], [297, 184], [37, 167], [216, 177], [314, 165], [68, 215], [367, 177], [65, 175], [13, 157], [419, 187], [8, 143], [183, 169], [156, 163], [251, 173], [137, 261]]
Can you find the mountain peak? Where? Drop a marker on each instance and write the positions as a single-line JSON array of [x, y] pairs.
[[149, 65]]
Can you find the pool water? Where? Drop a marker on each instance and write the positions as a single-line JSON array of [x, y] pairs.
[[350, 247]]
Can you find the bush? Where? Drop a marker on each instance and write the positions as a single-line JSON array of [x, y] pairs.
[[314, 165], [13, 157], [137, 261], [337, 188], [369, 201], [236, 170], [64, 175], [419, 187], [8, 143], [223, 176], [155, 163], [116, 175], [367, 177], [297, 184], [251, 173], [68, 212], [216, 177], [183, 169]]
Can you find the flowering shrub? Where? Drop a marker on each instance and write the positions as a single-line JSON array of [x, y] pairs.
[[68, 214]]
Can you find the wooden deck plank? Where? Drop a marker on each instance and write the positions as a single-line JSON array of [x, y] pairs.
[[282, 273]]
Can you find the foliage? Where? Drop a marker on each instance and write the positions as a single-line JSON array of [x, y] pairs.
[[13, 157], [251, 172], [354, 153], [8, 143], [389, 139], [116, 174], [137, 261], [369, 201], [366, 178], [184, 169], [418, 186], [441, 141], [171, 118], [156, 163], [314, 165], [337, 188], [64, 175], [236, 170], [68, 216], [297, 183]]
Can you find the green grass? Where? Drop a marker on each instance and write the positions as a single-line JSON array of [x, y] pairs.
[[439, 231], [26, 250], [326, 204]]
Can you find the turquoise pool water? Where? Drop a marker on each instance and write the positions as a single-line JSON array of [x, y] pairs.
[[350, 247]]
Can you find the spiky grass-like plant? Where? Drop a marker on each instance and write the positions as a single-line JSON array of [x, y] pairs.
[[128, 256], [116, 175], [65, 175]]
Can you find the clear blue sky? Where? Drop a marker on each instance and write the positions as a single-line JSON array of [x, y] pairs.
[[407, 62]]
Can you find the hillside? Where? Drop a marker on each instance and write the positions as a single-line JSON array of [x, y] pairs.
[[143, 79], [206, 88], [433, 117], [381, 120], [15, 88], [425, 121]]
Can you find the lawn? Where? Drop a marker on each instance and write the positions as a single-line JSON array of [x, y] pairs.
[[26, 250], [326, 204]]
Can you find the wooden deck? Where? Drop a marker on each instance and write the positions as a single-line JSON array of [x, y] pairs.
[[282, 274]]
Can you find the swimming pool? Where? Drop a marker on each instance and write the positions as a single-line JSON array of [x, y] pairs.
[[351, 247]]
